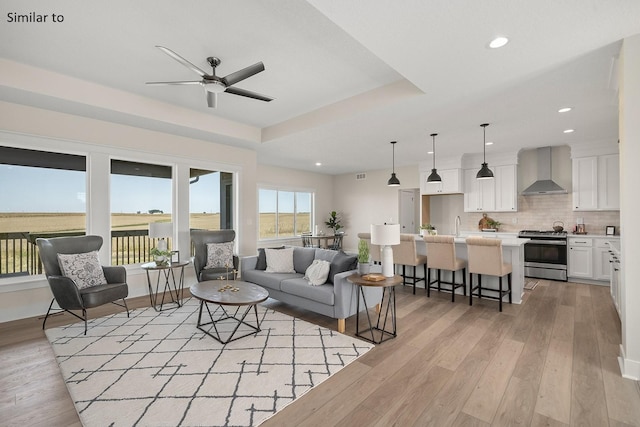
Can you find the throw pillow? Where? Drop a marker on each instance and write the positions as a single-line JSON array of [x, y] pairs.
[[317, 272], [279, 260], [219, 255], [340, 263], [84, 269], [261, 263]]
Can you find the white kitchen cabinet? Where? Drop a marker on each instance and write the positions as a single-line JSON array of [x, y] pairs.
[[580, 262], [596, 183], [615, 280], [601, 258], [491, 195], [479, 194], [506, 178], [609, 182], [451, 182]]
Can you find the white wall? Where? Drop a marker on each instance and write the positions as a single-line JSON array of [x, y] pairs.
[[370, 201], [630, 205]]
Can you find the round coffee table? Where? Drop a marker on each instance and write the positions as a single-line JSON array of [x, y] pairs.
[[226, 294]]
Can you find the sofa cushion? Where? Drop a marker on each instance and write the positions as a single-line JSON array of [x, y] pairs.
[[84, 269], [302, 258], [340, 263], [219, 255], [300, 287], [317, 272], [261, 263], [268, 280], [279, 260], [325, 254]]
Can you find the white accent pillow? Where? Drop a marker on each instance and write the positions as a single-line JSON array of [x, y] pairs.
[[219, 255], [279, 260], [318, 272], [84, 269]]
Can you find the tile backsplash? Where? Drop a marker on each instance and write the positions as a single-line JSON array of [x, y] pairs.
[[540, 212]]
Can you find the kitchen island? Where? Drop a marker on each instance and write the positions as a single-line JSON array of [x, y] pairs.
[[512, 252]]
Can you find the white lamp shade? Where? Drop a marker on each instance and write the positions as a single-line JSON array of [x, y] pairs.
[[385, 234], [159, 230]]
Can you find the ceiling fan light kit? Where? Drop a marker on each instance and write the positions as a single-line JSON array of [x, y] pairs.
[[393, 181], [434, 177], [484, 172], [213, 85]]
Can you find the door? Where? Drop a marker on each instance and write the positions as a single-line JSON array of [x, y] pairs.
[[408, 211]]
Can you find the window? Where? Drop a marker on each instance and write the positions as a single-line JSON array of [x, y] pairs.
[[284, 214], [210, 200], [141, 193], [43, 194]]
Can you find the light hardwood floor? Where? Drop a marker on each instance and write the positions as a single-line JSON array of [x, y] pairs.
[[551, 361]]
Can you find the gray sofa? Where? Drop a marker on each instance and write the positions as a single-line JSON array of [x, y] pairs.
[[336, 298]]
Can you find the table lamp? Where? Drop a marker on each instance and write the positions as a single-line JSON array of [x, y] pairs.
[[160, 230], [386, 235]]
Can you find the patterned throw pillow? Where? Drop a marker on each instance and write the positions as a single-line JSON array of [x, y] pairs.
[[279, 260], [317, 272], [219, 255], [84, 269]]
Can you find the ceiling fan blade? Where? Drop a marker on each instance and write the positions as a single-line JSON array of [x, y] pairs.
[[175, 83], [245, 73], [183, 61], [247, 93], [212, 99]]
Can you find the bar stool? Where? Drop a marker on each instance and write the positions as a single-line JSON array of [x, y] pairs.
[[406, 254], [485, 257], [441, 255], [374, 250]]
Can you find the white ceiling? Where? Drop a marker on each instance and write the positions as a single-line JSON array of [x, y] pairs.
[[348, 77]]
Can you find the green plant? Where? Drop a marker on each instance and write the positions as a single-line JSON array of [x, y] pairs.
[[363, 252], [334, 221], [427, 227], [161, 257], [493, 224]]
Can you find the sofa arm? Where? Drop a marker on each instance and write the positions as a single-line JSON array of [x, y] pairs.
[[346, 294], [115, 274], [65, 292], [248, 263]]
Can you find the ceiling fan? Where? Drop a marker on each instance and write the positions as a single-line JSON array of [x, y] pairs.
[[213, 85]]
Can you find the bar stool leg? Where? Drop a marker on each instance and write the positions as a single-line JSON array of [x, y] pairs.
[[464, 281], [470, 288], [453, 286], [428, 284], [509, 281]]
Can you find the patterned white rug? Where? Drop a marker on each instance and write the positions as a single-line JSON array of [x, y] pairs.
[[157, 369]]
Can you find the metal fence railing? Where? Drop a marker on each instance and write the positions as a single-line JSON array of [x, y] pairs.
[[19, 254]]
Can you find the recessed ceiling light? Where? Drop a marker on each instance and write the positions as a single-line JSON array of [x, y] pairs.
[[488, 143], [498, 42], [429, 152], [564, 110], [568, 130], [318, 164]]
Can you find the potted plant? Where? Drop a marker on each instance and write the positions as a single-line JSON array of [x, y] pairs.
[[333, 222], [493, 225], [364, 265], [428, 228], [160, 257]]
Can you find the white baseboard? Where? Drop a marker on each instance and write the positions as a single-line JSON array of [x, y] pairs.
[[628, 368]]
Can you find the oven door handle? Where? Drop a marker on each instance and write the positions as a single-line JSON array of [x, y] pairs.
[[548, 242]]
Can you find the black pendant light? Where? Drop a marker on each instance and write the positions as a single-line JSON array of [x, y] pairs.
[[484, 172], [393, 181], [434, 177]]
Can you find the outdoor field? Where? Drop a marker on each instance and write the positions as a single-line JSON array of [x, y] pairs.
[[17, 254]]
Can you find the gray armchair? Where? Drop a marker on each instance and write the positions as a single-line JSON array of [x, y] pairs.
[[200, 238], [65, 292]]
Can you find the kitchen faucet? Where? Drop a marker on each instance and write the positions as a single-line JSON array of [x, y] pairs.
[[458, 222]]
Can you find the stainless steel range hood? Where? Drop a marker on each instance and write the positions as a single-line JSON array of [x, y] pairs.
[[544, 184]]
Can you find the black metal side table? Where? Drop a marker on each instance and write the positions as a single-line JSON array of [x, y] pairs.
[[171, 286], [388, 285]]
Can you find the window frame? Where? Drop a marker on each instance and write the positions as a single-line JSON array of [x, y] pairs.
[[294, 190]]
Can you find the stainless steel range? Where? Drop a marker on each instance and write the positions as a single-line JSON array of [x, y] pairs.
[[545, 255]]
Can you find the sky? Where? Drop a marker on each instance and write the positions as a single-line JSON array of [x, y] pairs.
[[31, 189], [28, 189]]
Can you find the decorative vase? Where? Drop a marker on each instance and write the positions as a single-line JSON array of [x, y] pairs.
[[364, 268]]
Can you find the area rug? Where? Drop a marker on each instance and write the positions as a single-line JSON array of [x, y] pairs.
[[157, 369]]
